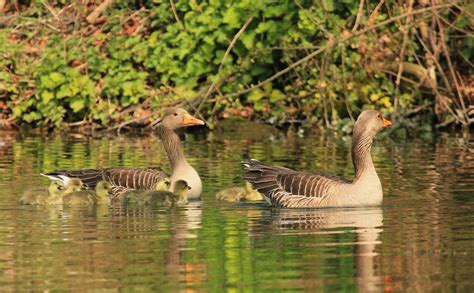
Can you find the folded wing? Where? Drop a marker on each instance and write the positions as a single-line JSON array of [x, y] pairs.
[[289, 188]]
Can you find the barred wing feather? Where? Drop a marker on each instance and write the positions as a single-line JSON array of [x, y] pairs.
[[136, 178], [289, 188]]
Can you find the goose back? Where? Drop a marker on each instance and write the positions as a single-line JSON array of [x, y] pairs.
[[289, 188], [135, 178]]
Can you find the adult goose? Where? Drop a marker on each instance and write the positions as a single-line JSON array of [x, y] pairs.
[[140, 178], [294, 189]]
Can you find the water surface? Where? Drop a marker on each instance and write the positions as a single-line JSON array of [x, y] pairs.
[[421, 239]]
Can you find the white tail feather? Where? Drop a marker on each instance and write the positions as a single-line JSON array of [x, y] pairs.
[[60, 178]]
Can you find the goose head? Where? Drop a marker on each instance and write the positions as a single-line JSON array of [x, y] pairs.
[[369, 123], [175, 118]]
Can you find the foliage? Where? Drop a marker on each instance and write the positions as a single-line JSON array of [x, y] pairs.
[[141, 56]]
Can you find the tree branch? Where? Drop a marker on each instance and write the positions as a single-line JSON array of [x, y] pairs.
[[331, 43], [93, 18]]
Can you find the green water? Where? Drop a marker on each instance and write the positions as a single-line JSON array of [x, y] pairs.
[[421, 239]]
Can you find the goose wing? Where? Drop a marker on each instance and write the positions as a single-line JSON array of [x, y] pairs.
[[136, 178], [289, 188]]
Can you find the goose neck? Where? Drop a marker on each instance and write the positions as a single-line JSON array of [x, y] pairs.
[[172, 146], [361, 157]]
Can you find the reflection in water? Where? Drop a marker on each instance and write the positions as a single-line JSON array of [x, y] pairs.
[[366, 224], [214, 246]]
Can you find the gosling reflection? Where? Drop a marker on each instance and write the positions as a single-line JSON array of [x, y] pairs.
[[365, 223]]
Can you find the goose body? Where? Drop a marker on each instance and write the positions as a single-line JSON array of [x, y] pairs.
[[147, 178], [295, 189]]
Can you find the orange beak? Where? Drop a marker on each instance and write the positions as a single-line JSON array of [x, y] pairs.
[[386, 123], [189, 120]]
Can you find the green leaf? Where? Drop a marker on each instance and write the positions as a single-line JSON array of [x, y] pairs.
[[232, 18], [276, 95], [256, 95], [248, 40], [57, 78], [47, 96], [77, 104], [47, 82], [64, 91]]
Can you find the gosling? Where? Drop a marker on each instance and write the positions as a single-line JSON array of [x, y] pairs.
[[89, 197], [51, 195], [235, 194], [161, 195]]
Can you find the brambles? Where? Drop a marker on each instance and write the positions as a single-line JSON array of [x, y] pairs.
[[72, 63]]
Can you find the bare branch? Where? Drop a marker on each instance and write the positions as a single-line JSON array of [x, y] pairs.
[[175, 13], [93, 18], [359, 16]]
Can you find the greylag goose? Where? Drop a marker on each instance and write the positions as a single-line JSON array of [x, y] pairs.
[[139, 178], [294, 189], [160, 196], [48, 196], [233, 194], [89, 197]]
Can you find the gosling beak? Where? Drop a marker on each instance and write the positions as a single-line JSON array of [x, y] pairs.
[[386, 123], [189, 120]]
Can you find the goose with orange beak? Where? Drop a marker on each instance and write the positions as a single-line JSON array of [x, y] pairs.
[[147, 178], [303, 189]]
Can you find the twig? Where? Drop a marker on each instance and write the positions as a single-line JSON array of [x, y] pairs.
[[450, 67], [373, 15], [331, 43], [134, 120], [401, 57], [2, 5], [234, 41], [359, 16], [175, 13], [344, 82], [227, 52], [94, 16], [324, 30]]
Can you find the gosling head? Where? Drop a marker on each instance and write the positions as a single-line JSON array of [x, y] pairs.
[[163, 185], [55, 188], [180, 190], [102, 189], [175, 118], [74, 184], [370, 122]]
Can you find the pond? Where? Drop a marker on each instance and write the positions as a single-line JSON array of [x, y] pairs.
[[421, 239]]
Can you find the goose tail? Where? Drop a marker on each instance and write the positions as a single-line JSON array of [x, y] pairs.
[[57, 177]]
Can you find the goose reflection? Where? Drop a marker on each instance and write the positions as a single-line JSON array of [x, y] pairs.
[[366, 223]]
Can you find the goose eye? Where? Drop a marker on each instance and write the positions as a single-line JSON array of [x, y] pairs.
[[175, 114]]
